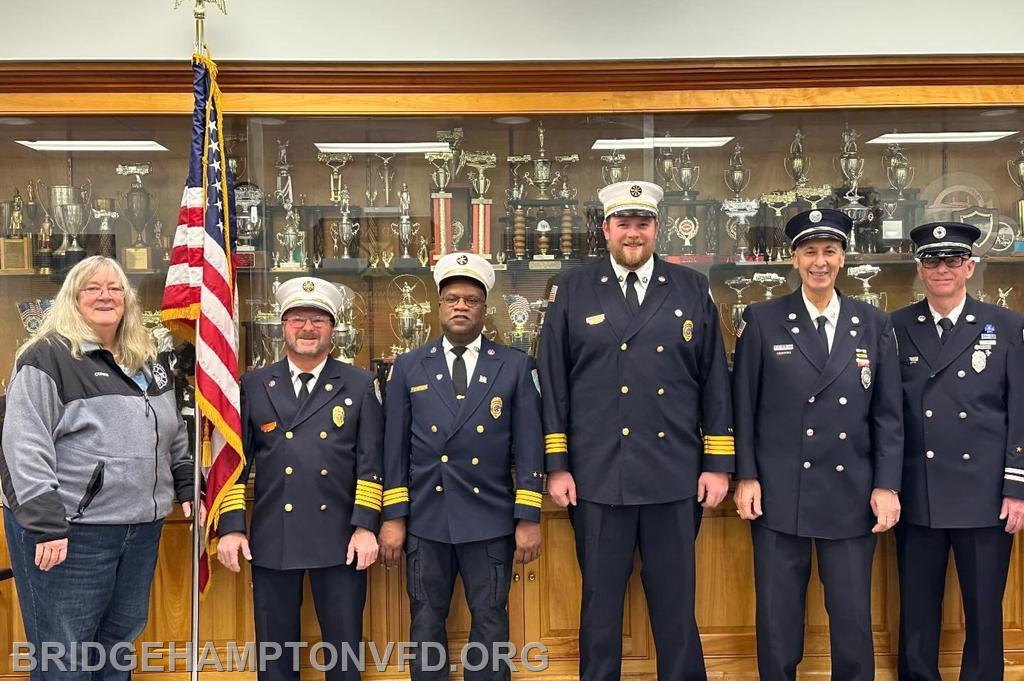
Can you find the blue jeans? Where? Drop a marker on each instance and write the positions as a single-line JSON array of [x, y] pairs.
[[99, 595]]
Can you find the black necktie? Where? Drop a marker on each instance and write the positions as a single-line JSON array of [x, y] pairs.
[[946, 324], [821, 332], [459, 379], [632, 299], [304, 379]]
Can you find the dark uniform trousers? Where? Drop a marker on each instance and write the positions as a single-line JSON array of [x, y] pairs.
[[819, 431], [964, 453], [607, 537], [636, 407], [486, 571], [319, 478], [463, 472]]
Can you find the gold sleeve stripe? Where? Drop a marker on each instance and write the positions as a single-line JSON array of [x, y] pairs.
[[226, 506], [396, 500], [369, 492], [368, 498], [555, 436], [532, 504], [372, 485], [556, 443], [367, 504], [392, 490], [528, 493]]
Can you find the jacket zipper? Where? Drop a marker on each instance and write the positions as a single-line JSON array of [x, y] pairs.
[[156, 449]]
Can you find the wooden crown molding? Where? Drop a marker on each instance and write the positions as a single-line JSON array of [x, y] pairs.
[[516, 77]]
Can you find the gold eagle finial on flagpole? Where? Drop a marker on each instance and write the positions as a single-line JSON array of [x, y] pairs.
[[199, 12]]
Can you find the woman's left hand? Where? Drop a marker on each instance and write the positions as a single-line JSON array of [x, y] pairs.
[[186, 508], [50, 554]]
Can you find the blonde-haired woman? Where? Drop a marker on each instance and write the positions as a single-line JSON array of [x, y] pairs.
[[94, 453]]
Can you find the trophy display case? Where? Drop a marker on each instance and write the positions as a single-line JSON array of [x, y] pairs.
[[370, 194]]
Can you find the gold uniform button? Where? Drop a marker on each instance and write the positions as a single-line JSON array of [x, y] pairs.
[[623, 346], [476, 490], [323, 507], [479, 429], [660, 348], [433, 429], [624, 389], [289, 435], [661, 434], [323, 434], [625, 431], [287, 508], [444, 458], [323, 471], [287, 470], [474, 461], [439, 489], [661, 391]]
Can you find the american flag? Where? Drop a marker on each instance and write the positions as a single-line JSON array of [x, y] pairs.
[[200, 301]]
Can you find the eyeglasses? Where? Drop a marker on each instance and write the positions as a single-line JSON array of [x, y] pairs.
[[299, 322], [950, 261], [92, 291], [469, 301]]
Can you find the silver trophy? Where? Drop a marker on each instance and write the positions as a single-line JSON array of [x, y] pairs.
[[405, 229], [614, 170], [733, 315], [137, 201], [737, 177], [348, 336], [1015, 167], [248, 201], [346, 230], [67, 195], [851, 165], [770, 281], [898, 170], [408, 320], [665, 165], [541, 178], [687, 174], [454, 139], [567, 161], [370, 193], [1001, 299], [796, 164], [387, 175], [516, 190], [865, 273], [292, 239]]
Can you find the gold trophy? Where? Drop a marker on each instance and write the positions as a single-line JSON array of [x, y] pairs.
[[480, 162], [409, 318], [441, 201], [15, 244], [796, 163]]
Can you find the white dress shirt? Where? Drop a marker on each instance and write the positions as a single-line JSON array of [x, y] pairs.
[[643, 274], [953, 315], [469, 356], [294, 372], [831, 313]]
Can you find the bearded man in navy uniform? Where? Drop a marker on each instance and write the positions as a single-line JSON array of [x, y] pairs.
[[638, 430], [464, 473], [313, 428], [819, 448], [963, 474]]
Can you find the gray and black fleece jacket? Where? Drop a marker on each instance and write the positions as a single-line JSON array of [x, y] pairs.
[[82, 443]]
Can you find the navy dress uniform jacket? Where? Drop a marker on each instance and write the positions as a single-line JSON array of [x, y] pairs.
[[449, 462], [818, 432], [963, 406], [319, 467], [636, 407]]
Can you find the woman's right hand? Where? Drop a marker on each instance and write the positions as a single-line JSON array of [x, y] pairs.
[[50, 554]]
